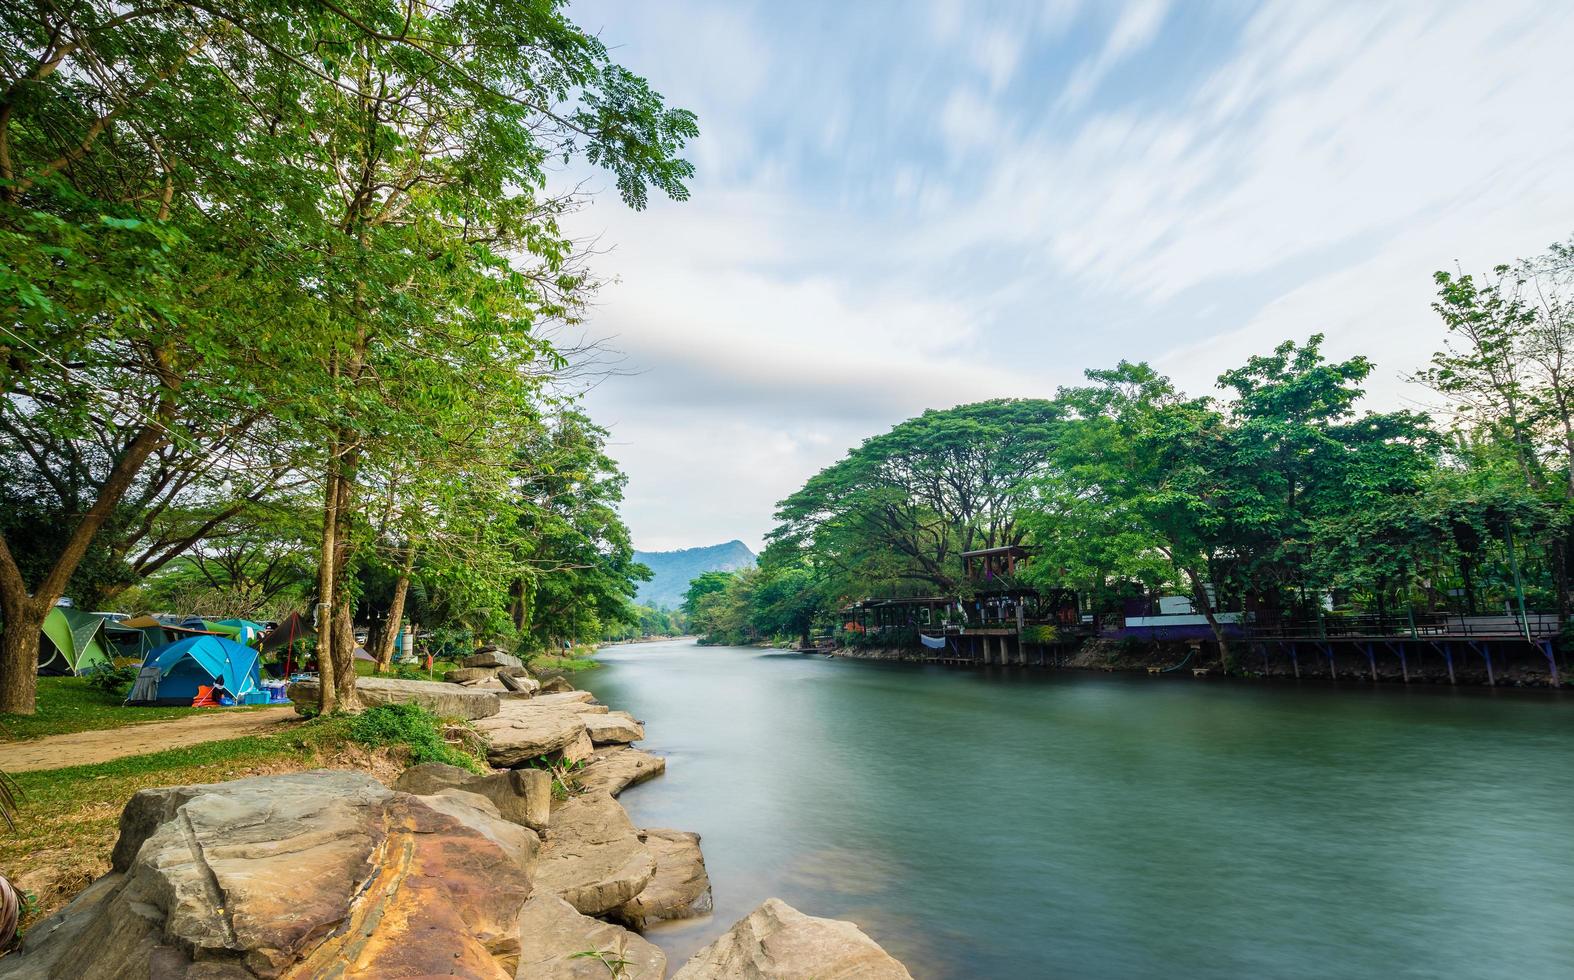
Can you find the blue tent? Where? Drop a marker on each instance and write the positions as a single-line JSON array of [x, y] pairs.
[[196, 662]]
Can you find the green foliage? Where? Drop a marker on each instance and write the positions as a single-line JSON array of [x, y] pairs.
[[112, 680], [413, 727]]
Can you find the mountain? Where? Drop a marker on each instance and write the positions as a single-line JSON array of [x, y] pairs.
[[674, 570]]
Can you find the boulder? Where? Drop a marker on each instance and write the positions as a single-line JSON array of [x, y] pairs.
[[301, 875], [564, 699], [555, 684], [481, 815], [553, 939], [443, 700], [593, 857], [491, 657], [680, 888], [521, 796], [616, 768], [469, 675], [778, 942], [524, 730], [518, 683], [580, 749], [615, 727]]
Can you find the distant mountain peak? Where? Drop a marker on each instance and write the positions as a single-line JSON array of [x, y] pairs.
[[674, 570]]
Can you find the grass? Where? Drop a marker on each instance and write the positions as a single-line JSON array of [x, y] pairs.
[[72, 704], [365, 668], [69, 818]]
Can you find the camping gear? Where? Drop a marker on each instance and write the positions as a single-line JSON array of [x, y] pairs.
[[203, 661], [73, 643]]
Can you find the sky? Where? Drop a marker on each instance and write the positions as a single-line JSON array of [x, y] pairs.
[[904, 206]]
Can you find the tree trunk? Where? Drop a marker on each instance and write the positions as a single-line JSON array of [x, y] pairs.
[[327, 689], [19, 657], [1200, 596], [344, 655], [390, 637]]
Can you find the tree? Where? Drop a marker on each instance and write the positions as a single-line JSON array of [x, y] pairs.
[[902, 507]]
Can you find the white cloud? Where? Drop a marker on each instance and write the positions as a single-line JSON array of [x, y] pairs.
[[1134, 29]]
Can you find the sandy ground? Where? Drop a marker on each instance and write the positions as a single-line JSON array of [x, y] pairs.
[[86, 748]]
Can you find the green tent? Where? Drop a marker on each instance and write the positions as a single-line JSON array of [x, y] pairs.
[[73, 643], [133, 642]]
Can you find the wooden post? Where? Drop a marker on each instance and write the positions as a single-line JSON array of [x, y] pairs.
[[1448, 657], [1404, 668], [1371, 660], [1295, 661], [1552, 662]]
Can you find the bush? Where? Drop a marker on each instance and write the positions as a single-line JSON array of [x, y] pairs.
[[413, 727], [115, 681]]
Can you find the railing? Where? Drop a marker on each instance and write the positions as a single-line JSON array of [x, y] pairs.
[[1420, 625]]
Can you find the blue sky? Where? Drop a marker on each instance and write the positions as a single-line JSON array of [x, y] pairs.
[[903, 206]]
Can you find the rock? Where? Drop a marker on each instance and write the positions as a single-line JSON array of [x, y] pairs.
[[521, 796], [443, 700], [614, 727], [615, 768], [491, 657], [593, 857], [469, 808], [566, 699], [778, 942], [555, 684], [300, 874], [580, 749], [551, 933], [680, 888], [520, 671], [518, 683], [469, 675], [524, 730]]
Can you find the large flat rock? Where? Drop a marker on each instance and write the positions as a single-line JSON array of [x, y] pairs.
[[565, 699], [443, 700], [778, 942], [553, 939], [617, 767], [612, 728], [593, 857], [491, 658], [680, 888], [524, 730], [522, 796], [298, 875]]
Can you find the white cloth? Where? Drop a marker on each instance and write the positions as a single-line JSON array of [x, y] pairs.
[[933, 642]]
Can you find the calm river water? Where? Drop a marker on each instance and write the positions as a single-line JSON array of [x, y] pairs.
[[1072, 825]]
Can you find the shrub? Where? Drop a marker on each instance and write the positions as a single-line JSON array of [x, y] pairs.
[[112, 680], [413, 727]]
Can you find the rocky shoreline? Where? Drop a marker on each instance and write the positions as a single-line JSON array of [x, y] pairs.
[[533, 870]]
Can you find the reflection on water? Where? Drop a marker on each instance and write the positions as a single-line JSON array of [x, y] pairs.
[[1014, 824]]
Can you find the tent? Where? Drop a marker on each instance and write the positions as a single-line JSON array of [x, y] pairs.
[[133, 643], [73, 643], [291, 630], [160, 633], [241, 630], [200, 661]]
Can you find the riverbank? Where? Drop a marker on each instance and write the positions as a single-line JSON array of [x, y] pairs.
[[545, 870], [1463, 664]]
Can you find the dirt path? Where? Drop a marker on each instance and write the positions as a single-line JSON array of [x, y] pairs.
[[103, 745]]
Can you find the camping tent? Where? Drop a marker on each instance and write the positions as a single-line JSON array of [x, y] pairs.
[[160, 633], [73, 643], [196, 662], [241, 630], [290, 629], [133, 642]]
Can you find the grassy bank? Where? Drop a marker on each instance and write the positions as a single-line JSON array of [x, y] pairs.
[[74, 704]]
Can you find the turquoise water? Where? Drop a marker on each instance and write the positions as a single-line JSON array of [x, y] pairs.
[[1070, 825]]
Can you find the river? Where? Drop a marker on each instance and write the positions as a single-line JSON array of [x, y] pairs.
[[1032, 824]]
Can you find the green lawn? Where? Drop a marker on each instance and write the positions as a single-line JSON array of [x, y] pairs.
[[71, 704]]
